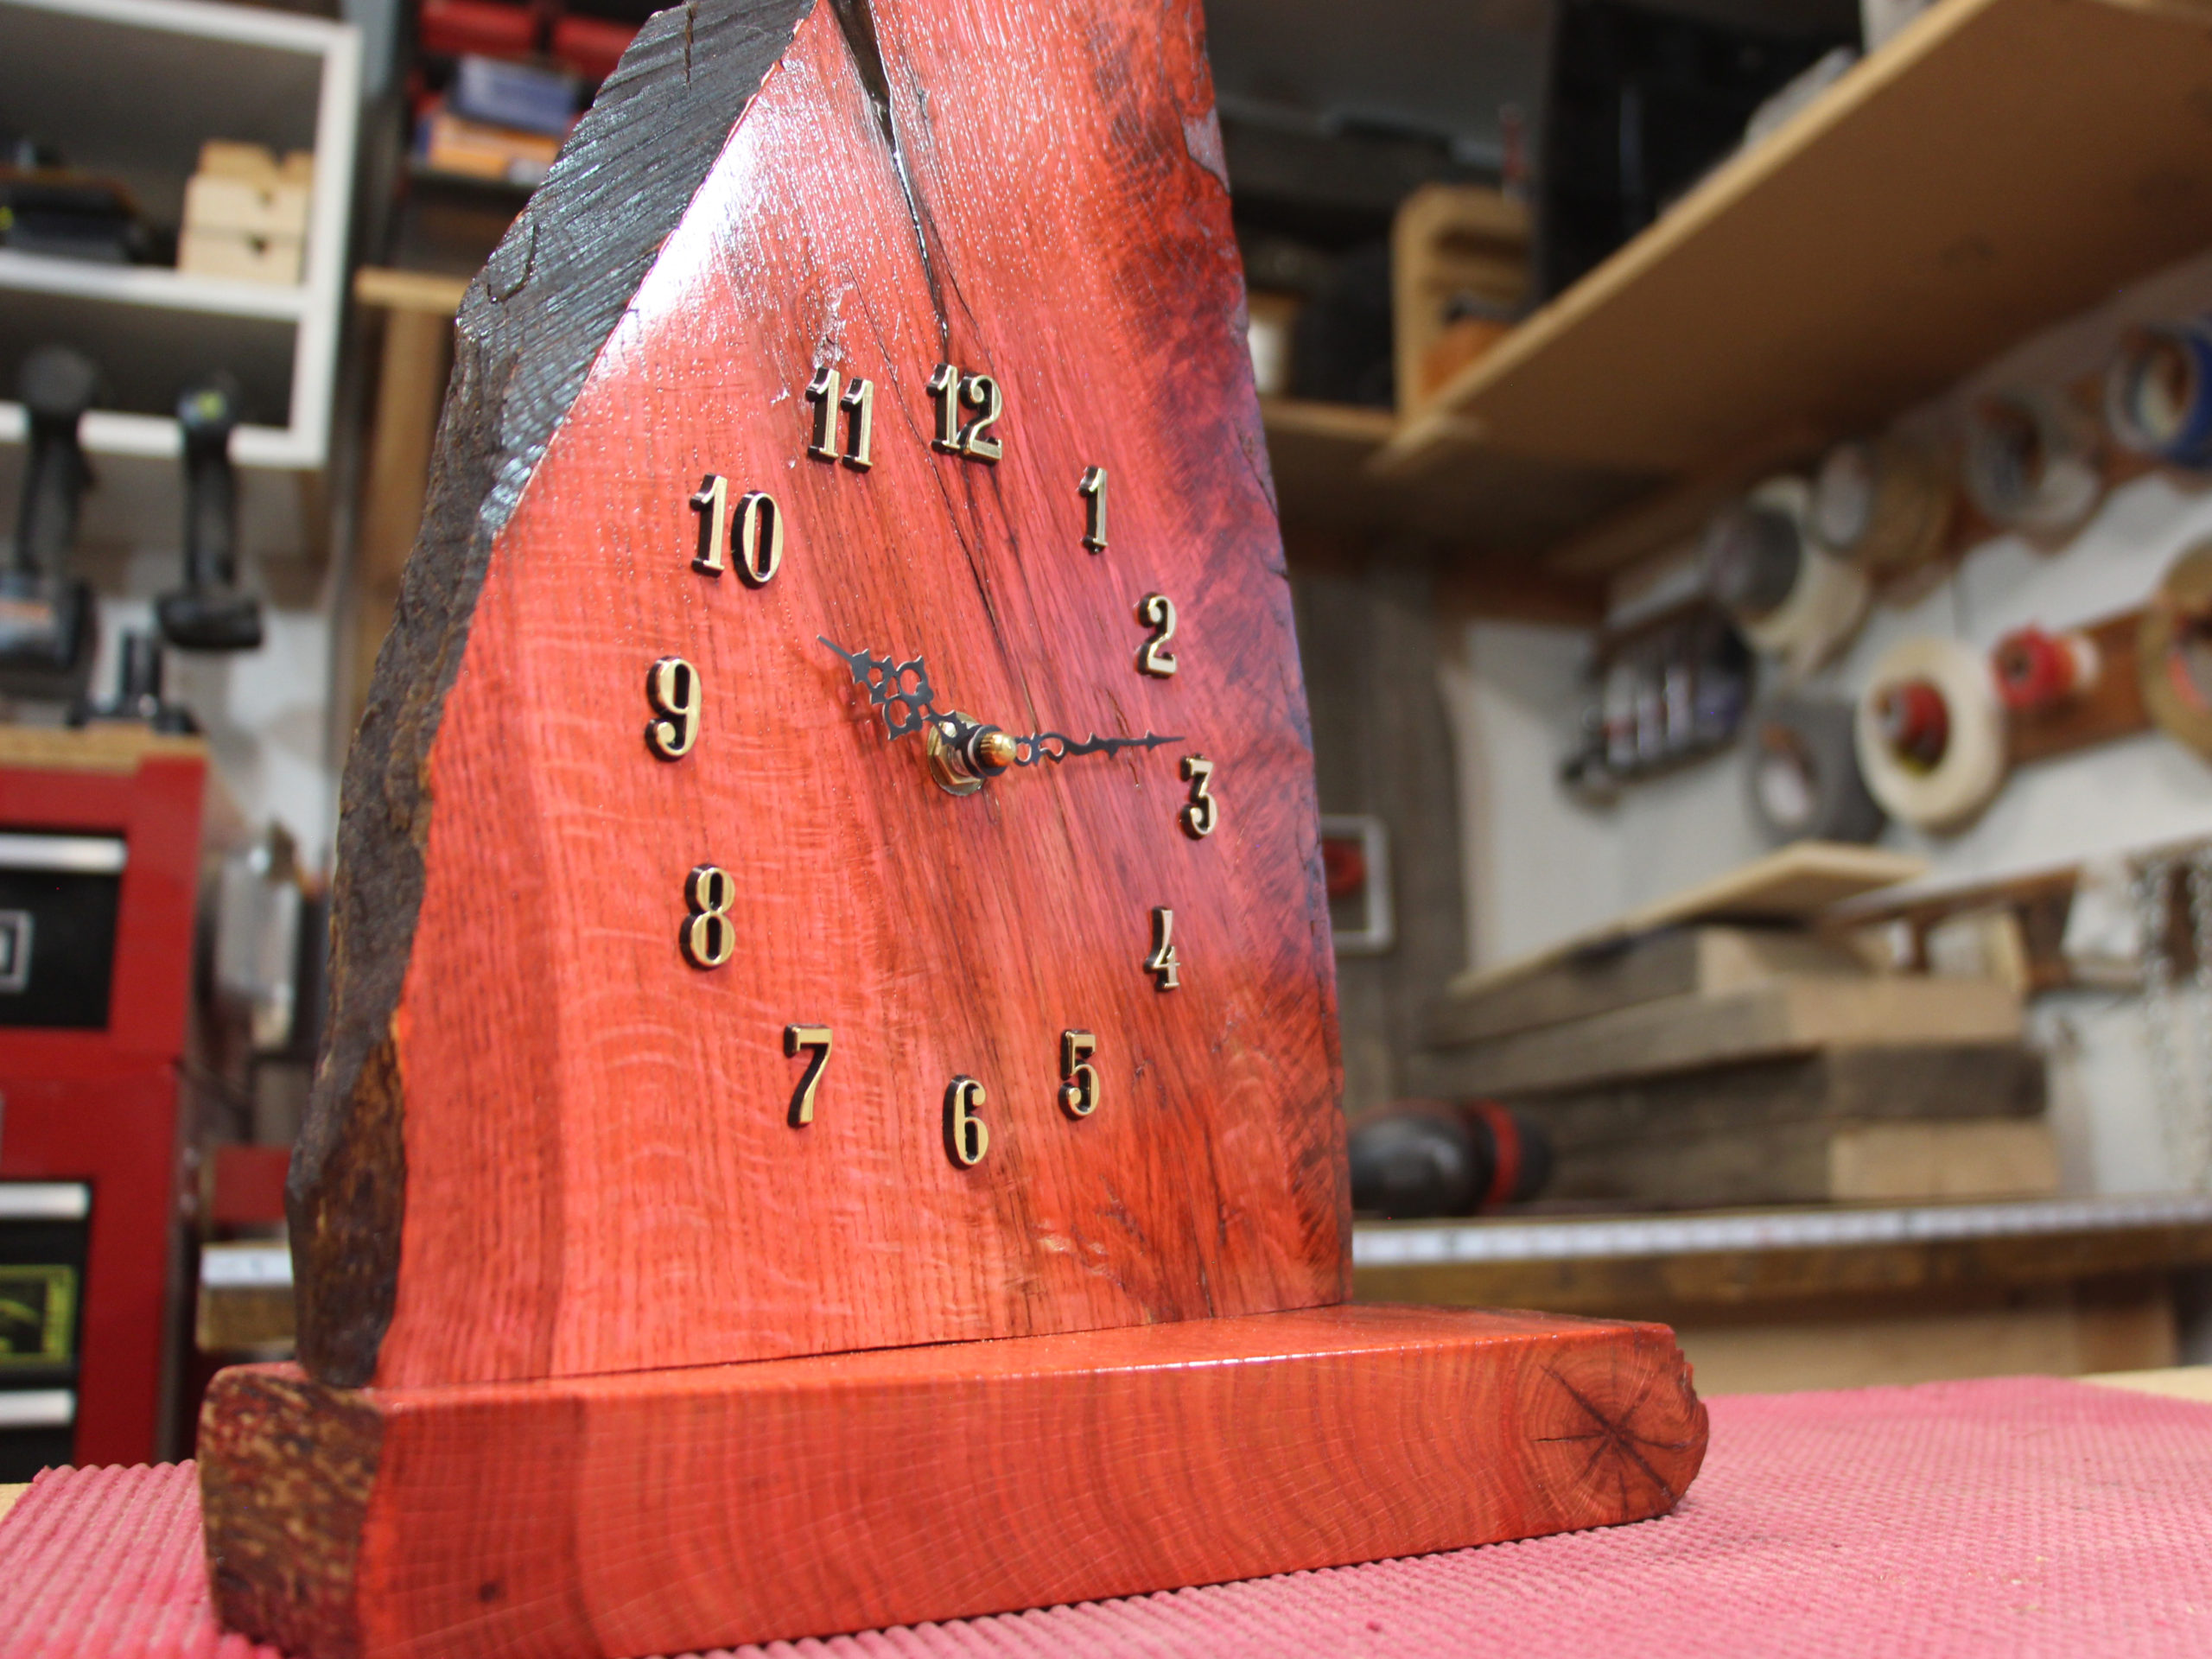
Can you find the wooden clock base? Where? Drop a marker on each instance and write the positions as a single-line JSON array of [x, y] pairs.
[[660, 1511]]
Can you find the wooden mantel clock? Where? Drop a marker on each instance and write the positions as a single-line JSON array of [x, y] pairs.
[[830, 1114]]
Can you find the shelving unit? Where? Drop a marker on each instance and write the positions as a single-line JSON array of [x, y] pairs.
[[2001, 165], [182, 72]]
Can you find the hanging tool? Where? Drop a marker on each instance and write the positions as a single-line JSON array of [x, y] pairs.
[[138, 691], [209, 613], [46, 618]]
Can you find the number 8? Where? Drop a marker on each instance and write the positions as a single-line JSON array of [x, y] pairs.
[[709, 937]]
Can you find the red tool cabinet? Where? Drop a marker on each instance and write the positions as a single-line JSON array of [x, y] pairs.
[[99, 853]]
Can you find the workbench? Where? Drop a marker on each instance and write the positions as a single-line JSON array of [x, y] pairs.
[[2012, 1515]]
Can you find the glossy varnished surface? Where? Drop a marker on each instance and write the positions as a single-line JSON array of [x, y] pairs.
[[619, 1515], [599, 1171]]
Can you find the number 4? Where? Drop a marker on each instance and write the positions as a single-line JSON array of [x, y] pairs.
[[1163, 961]]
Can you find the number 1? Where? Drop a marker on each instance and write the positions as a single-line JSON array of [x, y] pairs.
[[1093, 491]]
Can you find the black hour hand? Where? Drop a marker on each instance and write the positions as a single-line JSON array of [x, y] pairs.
[[901, 690]]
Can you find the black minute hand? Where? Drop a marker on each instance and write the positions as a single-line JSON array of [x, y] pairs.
[[1056, 746]]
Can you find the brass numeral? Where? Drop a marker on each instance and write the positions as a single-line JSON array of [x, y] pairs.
[[828, 394], [1093, 491], [951, 389], [711, 502], [981, 393], [1157, 612], [944, 389], [1078, 1077], [1202, 812], [709, 937], [858, 404], [807, 1039], [1163, 961], [672, 690], [759, 538], [967, 1137]]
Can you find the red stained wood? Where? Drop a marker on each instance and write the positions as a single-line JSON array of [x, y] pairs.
[[599, 1171], [733, 1504]]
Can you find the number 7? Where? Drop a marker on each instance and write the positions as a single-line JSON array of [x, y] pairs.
[[796, 1040]]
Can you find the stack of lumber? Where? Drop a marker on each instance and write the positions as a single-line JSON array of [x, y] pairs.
[[1724, 1053]]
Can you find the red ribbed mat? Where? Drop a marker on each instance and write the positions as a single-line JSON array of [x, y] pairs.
[[2023, 1515]]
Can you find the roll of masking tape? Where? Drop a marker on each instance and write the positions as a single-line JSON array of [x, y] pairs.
[[2158, 392], [2173, 651], [1803, 776], [1791, 597], [2037, 672], [2031, 461], [1930, 733], [1883, 504]]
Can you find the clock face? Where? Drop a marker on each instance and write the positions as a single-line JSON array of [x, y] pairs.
[[871, 895]]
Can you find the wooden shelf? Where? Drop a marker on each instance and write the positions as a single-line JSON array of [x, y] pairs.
[[130, 89], [1999, 166]]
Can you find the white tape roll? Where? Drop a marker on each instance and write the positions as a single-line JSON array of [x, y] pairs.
[[1883, 505], [2031, 461], [1930, 733], [1826, 596]]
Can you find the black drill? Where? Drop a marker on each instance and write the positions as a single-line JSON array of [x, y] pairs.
[[46, 619], [209, 613]]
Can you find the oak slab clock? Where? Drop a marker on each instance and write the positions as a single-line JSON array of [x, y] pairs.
[[830, 1113]]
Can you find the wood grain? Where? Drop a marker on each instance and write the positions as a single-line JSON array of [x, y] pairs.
[[697, 1509], [1791, 1015], [544, 1144], [1791, 884], [1675, 962]]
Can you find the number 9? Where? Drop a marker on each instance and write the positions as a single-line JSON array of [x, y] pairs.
[[672, 690]]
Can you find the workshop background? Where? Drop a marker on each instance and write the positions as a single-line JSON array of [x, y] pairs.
[[1743, 473]]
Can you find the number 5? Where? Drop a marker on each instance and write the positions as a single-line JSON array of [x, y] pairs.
[[1079, 1079]]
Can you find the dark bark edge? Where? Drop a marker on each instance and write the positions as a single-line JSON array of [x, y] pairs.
[[529, 329]]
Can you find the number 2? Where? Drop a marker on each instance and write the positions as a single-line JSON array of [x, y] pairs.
[[801, 1039], [1157, 612]]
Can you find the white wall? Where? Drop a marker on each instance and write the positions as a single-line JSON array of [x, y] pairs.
[[1540, 867]]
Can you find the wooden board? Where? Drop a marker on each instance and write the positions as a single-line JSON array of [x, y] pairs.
[[1815, 1163], [1833, 1085], [1793, 883], [1684, 1034], [2001, 164], [805, 1496], [1691, 1267], [1675, 962], [544, 1143]]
